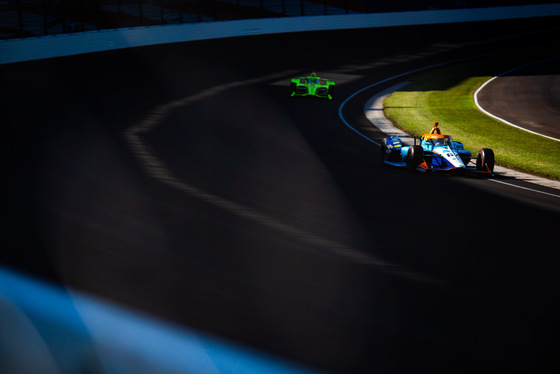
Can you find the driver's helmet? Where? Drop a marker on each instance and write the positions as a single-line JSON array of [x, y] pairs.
[[313, 78]]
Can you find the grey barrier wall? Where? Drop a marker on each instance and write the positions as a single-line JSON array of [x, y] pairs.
[[28, 18], [25, 49]]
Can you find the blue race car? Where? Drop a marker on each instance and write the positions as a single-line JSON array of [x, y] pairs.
[[436, 153]]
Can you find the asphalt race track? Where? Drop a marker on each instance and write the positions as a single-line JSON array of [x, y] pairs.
[[528, 97], [182, 181]]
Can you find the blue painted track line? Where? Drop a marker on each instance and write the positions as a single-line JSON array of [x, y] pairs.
[[49, 329]]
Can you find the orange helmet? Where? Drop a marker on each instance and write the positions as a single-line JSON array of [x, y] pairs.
[[436, 124]]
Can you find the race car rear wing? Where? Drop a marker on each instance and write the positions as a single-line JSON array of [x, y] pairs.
[[408, 137]]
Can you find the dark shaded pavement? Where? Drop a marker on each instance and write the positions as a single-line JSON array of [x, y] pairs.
[[262, 219]]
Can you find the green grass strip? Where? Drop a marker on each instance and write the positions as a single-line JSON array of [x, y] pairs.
[[446, 95]]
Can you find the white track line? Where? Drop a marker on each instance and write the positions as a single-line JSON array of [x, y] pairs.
[[499, 118], [525, 188]]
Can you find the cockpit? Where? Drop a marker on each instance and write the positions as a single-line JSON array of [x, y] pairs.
[[441, 142]]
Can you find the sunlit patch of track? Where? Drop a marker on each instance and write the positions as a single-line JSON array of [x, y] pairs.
[[373, 110], [154, 167]]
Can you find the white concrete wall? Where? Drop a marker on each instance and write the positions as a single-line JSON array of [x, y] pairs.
[[16, 50]]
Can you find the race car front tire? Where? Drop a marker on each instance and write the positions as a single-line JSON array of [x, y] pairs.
[[293, 88], [414, 157], [383, 151], [485, 160]]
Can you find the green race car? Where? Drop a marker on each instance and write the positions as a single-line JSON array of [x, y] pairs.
[[312, 85]]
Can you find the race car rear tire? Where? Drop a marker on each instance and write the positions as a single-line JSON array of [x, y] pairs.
[[331, 91], [485, 160], [414, 157]]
